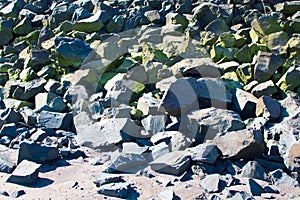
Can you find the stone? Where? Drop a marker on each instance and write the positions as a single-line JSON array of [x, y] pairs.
[[288, 106], [6, 31], [43, 99], [176, 18], [207, 123], [91, 24], [175, 139], [174, 163], [148, 104], [264, 89], [166, 194], [17, 104], [79, 14], [255, 188], [105, 178], [39, 153], [265, 25], [279, 177], [26, 173], [17, 193], [217, 27], [27, 90], [127, 163], [244, 103], [9, 130], [289, 81], [159, 149], [132, 147], [23, 27], [55, 120], [71, 51], [120, 190], [87, 78], [289, 7], [154, 123], [153, 16], [212, 183], [205, 153], [59, 14], [268, 107], [254, 170], [266, 65], [12, 9], [240, 144], [37, 59], [276, 41], [116, 24], [9, 115], [6, 165], [4, 193], [205, 13], [293, 157], [244, 55]]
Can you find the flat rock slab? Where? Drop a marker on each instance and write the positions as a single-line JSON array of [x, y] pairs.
[[26, 173], [105, 178], [174, 163], [121, 190]]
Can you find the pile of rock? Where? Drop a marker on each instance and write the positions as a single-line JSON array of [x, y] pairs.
[[203, 87]]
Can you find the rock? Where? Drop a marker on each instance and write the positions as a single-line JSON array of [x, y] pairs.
[[153, 16], [58, 15], [87, 78], [12, 9], [207, 123], [55, 120], [265, 25], [23, 27], [254, 170], [120, 190], [91, 24], [17, 104], [127, 163], [6, 165], [289, 7], [279, 177], [255, 188], [174, 163], [264, 89], [289, 106], [37, 59], [4, 193], [6, 31], [244, 103], [159, 149], [289, 81], [9, 130], [217, 27], [116, 24], [268, 107], [205, 153], [26, 173], [148, 104], [38, 153], [276, 41], [240, 144], [79, 14], [27, 90], [105, 178], [175, 139], [154, 123], [17, 193], [71, 51], [42, 99], [176, 18], [166, 195], [9, 115], [266, 65], [293, 156], [244, 55], [205, 13], [212, 183]]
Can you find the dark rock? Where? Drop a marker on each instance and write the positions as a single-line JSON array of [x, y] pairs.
[[268, 107], [205, 153], [58, 15], [217, 26], [11, 10], [63, 121], [174, 163], [79, 14], [127, 163], [205, 13], [120, 190], [244, 103], [27, 90], [255, 188], [26, 173], [254, 170], [17, 193], [38, 153], [289, 7], [38, 59], [240, 144], [6, 31], [267, 88], [265, 25], [209, 122], [91, 24], [23, 27], [9, 115], [105, 178], [9, 130], [116, 24], [4, 193]]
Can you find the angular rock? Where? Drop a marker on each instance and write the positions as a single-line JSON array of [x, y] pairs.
[[116, 24], [38, 153], [293, 157], [268, 107], [290, 80], [9, 115], [212, 183], [174, 163], [276, 41], [55, 120], [205, 153], [6, 165], [159, 150], [9, 130], [254, 170], [279, 177], [245, 72], [91, 24], [267, 88], [12, 8], [207, 123], [120, 190], [23, 27], [240, 144], [27, 90], [153, 16], [265, 25], [176, 18], [244, 103], [17, 193], [6, 31], [154, 123], [255, 188], [288, 7], [26, 173], [217, 26], [148, 104], [105, 178]]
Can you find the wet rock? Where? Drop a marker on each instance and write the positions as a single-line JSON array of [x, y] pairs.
[[240, 144], [174, 163], [268, 107], [55, 120], [127, 163], [26, 173], [244, 103], [208, 123], [267, 88], [254, 170], [205, 153], [105, 178], [120, 190], [38, 153], [289, 81]]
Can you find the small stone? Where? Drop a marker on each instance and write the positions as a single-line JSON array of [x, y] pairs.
[[63, 121], [18, 193], [212, 183], [279, 177], [105, 178], [268, 107], [205, 153], [120, 190], [6, 165], [255, 188], [26, 173], [289, 81], [154, 123], [254, 170]]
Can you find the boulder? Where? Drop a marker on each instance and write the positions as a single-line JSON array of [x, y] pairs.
[[279, 177], [255, 188], [9, 130], [264, 89], [91, 24], [244, 103], [268, 107], [153, 16], [289, 81], [116, 24], [148, 104], [26, 173], [265, 25], [205, 153], [240, 144], [55, 120], [212, 183], [254, 170], [174, 163], [217, 27], [6, 31]]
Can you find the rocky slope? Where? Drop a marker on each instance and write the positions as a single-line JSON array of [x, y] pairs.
[[150, 99]]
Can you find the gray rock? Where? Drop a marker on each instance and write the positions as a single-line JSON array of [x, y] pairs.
[[91, 24], [279, 177], [9, 115], [17, 193], [254, 170], [289, 81], [266, 88], [116, 24], [153, 16], [289, 106], [154, 123], [268, 107], [205, 13], [38, 153], [212, 183], [166, 195], [120, 190], [71, 51], [205, 153], [289, 7], [105, 178], [244, 103], [12, 9], [37, 59], [6, 165], [240, 144], [58, 15], [255, 188], [23, 27], [148, 104], [27, 90], [26, 173], [159, 150], [132, 147], [209, 122], [266, 65], [174, 163], [217, 26], [79, 14], [55, 120], [9, 130], [259, 25], [176, 18], [127, 163], [6, 32]]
